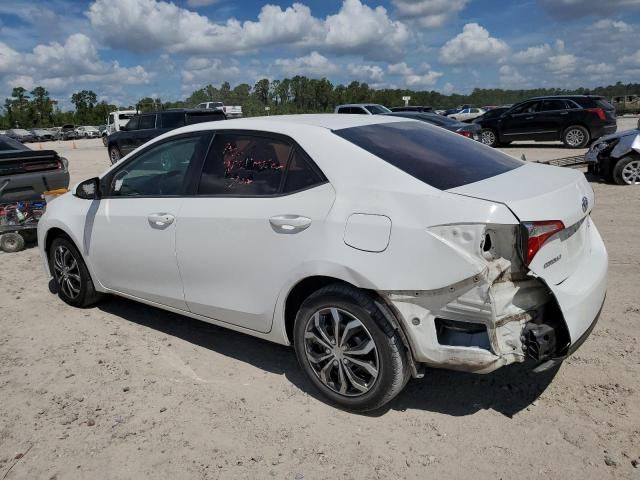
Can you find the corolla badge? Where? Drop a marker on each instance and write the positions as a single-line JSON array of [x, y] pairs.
[[585, 204]]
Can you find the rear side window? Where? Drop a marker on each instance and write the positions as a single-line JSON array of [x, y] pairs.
[[244, 165], [434, 156], [147, 122], [550, 105], [172, 119], [301, 173], [344, 110]]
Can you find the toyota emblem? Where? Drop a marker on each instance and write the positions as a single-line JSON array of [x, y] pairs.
[[585, 204]]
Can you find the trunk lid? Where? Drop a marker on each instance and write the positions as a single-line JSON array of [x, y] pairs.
[[537, 192]]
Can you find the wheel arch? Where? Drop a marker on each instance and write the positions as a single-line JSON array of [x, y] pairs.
[[307, 286]]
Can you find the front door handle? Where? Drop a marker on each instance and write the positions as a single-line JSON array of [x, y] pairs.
[[289, 223], [160, 220], [529, 118], [564, 113]]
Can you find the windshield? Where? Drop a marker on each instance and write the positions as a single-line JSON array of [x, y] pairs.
[[434, 156], [125, 116]]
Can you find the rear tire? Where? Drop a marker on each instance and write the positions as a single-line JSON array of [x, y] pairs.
[[104, 140], [11, 242], [627, 171], [70, 274], [333, 358], [576, 136]]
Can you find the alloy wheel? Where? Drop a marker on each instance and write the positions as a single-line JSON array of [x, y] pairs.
[[341, 352], [575, 137], [67, 272], [488, 137], [631, 173]]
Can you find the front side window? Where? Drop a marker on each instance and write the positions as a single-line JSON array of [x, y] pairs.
[[133, 123], [431, 155], [147, 122], [529, 107], [161, 169], [244, 165]]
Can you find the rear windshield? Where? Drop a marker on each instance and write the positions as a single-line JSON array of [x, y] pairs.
[[433, 155]]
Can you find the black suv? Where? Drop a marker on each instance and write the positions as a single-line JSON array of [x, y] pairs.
[[576, 120], [145, 126]]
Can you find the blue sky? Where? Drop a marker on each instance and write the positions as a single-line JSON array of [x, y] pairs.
[[126, 49]]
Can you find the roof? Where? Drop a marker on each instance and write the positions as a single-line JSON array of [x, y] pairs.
[[330, 121], [565, 96]]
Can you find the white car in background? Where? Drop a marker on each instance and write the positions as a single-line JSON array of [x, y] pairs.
[[88, 132], [375, 245], [362, 109], [467, 114]]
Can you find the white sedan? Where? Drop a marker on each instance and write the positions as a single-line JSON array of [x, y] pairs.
[[374, 245], [467, 114]]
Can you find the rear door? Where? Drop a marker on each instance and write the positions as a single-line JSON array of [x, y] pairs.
[[552, 118], [257, 211], [146, 129]]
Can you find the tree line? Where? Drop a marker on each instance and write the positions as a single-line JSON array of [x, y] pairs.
[[289, 95]]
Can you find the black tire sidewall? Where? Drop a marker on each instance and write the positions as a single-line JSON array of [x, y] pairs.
[[386, 357], [19, 242], [117, 150], [86, 285]]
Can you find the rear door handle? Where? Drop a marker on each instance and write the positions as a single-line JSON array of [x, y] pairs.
[[529, 118], [160, 220], [564, 113], [289, 223]]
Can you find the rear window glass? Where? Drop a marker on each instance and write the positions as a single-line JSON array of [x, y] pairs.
[[434, 156]]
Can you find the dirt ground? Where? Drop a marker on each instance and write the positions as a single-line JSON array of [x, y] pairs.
[[125, 391]]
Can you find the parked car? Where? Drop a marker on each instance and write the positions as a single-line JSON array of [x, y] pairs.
[[411, 108], [422, 249], [234, 111], [68, 132], [87, 132], [56, 132], [468, 130], [41, 134], [576, 120], [617, 157], [626, 104], [115, 121], [21, 135], [467, 114], [145, 126], [362, 109], [492, 114]]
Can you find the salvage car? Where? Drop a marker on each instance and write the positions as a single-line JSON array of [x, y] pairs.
[[576, 120], [616, 157], [42, 135], [464, 129], [424, 248], [68, 132]]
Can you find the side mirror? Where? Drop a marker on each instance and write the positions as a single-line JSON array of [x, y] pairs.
[[89, 189]]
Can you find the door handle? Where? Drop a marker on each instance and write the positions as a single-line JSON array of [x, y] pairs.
[[564, 113], [160, 220], [529, 118], [289, 223]]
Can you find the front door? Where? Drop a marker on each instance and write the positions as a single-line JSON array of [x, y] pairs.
[[258, 213], [520, 123], [131, 241]]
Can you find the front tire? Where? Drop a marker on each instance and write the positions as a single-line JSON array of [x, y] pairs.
[[349, 351], [489, 137], [627, 171], [114, 155], [71, 275], [576, 136]]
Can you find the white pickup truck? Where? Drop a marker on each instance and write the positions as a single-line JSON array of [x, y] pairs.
[[115, 121], [230, 111]]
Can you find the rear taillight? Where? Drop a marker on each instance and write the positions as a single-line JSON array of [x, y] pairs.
[[38, 166], [465, 133], [598, 111], [535, 234]]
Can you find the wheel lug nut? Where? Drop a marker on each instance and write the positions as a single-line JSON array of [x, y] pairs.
[[344, 360], [335, 362], [327, 351]]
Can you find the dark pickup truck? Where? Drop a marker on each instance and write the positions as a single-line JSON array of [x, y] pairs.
[[145, 126], [25, 175]]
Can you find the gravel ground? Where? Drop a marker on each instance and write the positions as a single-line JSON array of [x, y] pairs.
[[124, 390]]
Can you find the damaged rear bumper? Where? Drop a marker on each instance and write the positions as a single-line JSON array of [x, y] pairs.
[[496, 318]]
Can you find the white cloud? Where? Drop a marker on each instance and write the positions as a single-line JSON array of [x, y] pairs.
[[599, 69], [367, 72], [562, 64], [141, 25], [428, 13], [199, 71], [448, 88], [474, 44], [312, 65], [532, 55], [511, 77], [608, 24], [423, 77], [632, 60], [8, 58]]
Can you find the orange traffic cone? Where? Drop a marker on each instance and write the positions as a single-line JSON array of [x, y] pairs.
[[74, 145]]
